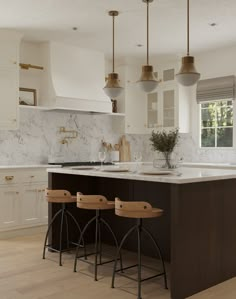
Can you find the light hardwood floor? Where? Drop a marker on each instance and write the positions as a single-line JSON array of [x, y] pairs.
[[25, 275]]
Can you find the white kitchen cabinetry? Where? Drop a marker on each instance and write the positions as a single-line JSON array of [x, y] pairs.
[[9, 207], [9, 79], [30, 205], [161, 108], [43, 203], [155, 111], [22, 202]]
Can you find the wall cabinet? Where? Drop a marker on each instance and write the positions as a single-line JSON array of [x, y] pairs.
[[9, 79], [22, 202], [153, 111], [161, 108]]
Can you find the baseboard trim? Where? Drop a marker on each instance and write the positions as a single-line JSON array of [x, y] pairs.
[[23, 232]]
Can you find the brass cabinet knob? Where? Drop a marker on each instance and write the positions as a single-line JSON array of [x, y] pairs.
[[32, 176], [9, 177]]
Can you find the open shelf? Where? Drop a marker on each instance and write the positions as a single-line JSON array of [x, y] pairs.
[[34, 107]]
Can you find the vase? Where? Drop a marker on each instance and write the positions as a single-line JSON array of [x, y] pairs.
[[164, 160], [167, 157]]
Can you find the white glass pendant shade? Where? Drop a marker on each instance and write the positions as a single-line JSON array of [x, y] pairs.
[[112, 88], [147, 82], [188, 76]]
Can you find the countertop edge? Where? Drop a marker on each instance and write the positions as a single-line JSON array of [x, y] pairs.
[[206, 175]]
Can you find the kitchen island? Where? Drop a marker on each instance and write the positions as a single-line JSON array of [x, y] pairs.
[[197, 231]]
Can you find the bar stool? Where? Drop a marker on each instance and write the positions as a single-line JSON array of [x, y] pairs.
[[139, 210], [62, 197], [97, 203]]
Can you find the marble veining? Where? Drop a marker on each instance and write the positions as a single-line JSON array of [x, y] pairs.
[[38, 139]]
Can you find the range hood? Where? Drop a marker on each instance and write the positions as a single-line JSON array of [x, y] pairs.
[[73, 79]]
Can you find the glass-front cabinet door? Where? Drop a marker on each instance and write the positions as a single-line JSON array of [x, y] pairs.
[[153, 111], [162, 108], [169, 108]]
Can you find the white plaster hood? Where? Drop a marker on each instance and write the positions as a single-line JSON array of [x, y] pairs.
[[74, 79]]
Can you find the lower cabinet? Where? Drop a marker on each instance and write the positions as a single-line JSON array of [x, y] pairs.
[[32, 204], [9, 207], [22, 201]]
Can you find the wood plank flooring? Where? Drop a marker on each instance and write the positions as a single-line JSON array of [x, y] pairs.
[[25, 275], [226, 289]]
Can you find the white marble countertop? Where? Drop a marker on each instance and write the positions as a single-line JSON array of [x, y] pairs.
[[181, 175], [190, 164], [210, 165], [28, 166]]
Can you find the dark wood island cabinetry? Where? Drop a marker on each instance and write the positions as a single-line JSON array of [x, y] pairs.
[[197, 232]]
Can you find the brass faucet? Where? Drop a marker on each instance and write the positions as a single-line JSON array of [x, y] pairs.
[[73, 135]]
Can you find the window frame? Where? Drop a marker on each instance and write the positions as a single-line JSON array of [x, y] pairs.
[[234, 126]]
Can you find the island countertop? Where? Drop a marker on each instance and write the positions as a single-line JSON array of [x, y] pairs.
[[181, 175]]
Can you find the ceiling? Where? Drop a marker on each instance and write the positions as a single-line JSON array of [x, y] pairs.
[[54, 20]]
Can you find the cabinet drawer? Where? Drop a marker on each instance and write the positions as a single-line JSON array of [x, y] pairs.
[[37, 176], [11, 177]]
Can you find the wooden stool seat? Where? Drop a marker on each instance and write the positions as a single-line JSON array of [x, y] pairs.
[[59, 196], [136, 209], [94, 202]]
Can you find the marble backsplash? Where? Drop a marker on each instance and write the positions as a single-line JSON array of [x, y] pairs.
[[38, 138]]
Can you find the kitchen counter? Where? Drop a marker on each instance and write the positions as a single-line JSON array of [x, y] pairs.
[[196, 231], [210, 165], [28, 166], [181, 175]]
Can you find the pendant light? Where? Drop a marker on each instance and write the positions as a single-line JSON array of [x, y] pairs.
[[147, 82], [187, 75], [112, 88]]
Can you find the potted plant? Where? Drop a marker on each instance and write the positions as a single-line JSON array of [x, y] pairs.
[[165, 142]]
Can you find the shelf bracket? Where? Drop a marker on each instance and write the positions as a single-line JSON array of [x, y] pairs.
[[26, 66]]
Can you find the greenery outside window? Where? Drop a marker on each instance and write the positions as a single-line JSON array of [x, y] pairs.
[[217, 123]]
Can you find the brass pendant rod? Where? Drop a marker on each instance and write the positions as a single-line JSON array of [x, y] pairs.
[[113, 44], [187, 27], [147, 32]]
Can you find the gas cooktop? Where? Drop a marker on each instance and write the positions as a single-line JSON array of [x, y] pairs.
[[89, 163]]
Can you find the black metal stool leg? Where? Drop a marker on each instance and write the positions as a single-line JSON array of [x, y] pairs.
[[61, 230], [80, 240], [100, 240], [139, 231], [118, 252], [115, 239], [98, 214], [49, 227], [159, 253], [67, 230], [79, 229]]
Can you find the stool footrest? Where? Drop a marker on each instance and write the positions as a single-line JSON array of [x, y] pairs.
[[50, 247], [121, 273]]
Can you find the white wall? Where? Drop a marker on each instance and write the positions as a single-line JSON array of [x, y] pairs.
[[38, 134]]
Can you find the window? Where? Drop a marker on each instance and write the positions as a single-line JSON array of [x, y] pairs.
[[217, 123]]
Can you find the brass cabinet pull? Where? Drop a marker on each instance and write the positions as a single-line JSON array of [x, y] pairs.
[[17, 192], [32, 176], [9, 177]]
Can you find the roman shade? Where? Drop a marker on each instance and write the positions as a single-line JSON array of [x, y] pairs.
[[216, 89]]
